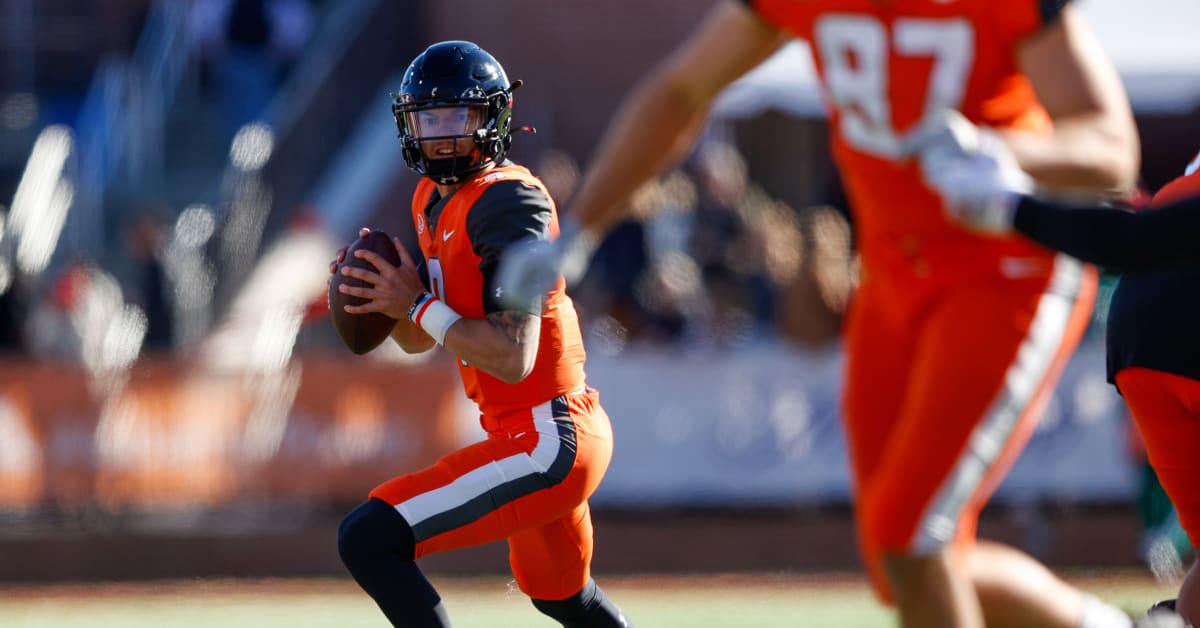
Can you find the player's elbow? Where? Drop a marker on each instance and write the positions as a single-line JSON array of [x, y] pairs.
[[515, 370], [1107, 167], [1117, 158], [1117, 169]]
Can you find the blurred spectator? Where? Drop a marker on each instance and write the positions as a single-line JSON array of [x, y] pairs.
[[814, 297], [12, 312], [610, 311], [713, 260], [50, 330], [247, 47], [746, 243], [559, 172], [668, 299], [146, 238]]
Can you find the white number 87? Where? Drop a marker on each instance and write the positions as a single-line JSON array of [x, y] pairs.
[[854, 55]]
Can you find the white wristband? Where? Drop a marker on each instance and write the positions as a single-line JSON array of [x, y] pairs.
[[433, 316]]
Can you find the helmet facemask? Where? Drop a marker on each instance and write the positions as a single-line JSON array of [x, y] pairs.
[[449, 140], [445, 142]]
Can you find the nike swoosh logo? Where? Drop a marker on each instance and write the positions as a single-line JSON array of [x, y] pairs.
[[446, 234]]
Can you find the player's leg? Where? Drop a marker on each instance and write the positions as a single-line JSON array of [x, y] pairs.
[[376, 545], [989, 354], [1166, 408], [552, 562], [1187, 605], [1016, 590], [930, 590], [552, 565], [536, 471], [878, 350]]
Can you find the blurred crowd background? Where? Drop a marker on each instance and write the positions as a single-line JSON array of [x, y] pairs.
[[176, 174], [157, 147]]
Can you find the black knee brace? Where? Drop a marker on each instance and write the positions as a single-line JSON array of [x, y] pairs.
[[376, 544], [374, 527]]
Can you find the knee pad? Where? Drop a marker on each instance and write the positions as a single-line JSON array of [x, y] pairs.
[[374, 527]]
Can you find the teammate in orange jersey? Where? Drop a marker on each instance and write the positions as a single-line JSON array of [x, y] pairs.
[[548, 440], [1153, 340], [954, 340]]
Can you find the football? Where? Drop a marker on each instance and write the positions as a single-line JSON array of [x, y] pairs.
[[361, 332]]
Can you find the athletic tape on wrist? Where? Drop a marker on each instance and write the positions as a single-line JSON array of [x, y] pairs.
[[433, 316]]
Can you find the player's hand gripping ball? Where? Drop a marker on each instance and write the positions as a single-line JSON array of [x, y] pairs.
[[360, 332]]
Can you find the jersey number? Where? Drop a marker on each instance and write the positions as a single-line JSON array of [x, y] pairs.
[[437, 280], [437, 284], [854, 53]]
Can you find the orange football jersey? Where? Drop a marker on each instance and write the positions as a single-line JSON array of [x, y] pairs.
[[456, 279], [883, 67]]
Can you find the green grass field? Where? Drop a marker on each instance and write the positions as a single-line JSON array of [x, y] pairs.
[[709, 601]]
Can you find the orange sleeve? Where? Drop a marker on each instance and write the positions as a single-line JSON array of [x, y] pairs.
[[1180, 188]]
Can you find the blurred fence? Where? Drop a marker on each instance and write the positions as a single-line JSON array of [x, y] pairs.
[[323, 430], [745, 428], [761, 427]]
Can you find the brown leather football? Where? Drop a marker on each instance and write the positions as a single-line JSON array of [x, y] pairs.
[[361, 332]]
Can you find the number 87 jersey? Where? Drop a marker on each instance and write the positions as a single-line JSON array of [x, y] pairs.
[[885, 66]]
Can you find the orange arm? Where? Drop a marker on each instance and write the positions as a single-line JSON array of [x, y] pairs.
[[1094, 145]]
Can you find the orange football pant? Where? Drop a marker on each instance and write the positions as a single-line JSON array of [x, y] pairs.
[[528, 482], [945, 381], [1166, 409]]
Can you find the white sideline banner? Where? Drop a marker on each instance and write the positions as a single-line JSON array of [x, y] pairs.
[[762, 426]]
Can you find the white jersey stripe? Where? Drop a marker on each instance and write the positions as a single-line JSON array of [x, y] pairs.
[[489, 476]]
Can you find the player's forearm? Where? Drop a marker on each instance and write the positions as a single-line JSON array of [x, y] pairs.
[[653, 129], [1118, 240], [1095, 152], [412, 339], [503, 345]]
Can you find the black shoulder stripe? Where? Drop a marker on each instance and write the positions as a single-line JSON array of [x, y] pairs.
[[506, 213], [1051, 9]]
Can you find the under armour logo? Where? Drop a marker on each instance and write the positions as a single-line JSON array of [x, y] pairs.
[[499, 292]]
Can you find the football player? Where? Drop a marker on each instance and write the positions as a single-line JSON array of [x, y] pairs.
[[954, 340], [1153, 337], [548, 440]]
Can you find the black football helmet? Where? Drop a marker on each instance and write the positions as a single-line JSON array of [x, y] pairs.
[[455, 102]]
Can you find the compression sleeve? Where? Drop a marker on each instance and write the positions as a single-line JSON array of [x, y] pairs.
[[1115, 239]]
